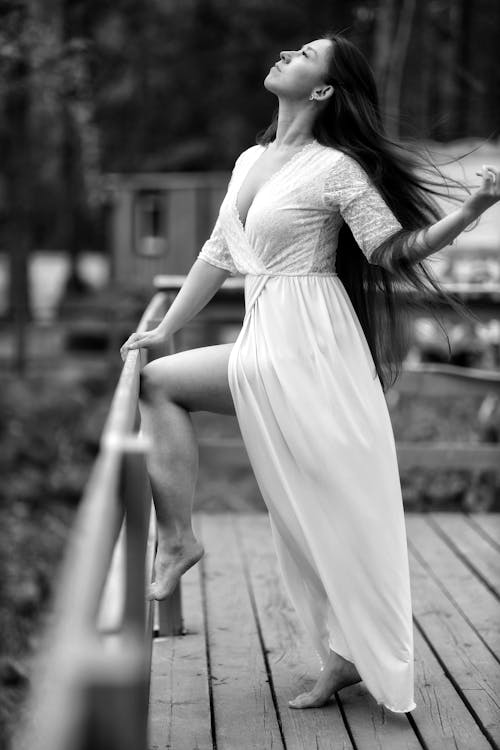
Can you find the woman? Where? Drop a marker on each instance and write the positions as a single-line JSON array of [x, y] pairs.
[[319, 216]]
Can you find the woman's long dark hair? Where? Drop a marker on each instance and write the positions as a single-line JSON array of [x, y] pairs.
[[408, 180]]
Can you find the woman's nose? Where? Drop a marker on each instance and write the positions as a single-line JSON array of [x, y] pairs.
[[285, 56]]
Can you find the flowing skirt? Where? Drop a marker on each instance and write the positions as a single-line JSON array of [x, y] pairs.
[[318, 434]]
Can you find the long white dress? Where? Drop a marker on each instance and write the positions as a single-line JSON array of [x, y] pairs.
[[313, 415]]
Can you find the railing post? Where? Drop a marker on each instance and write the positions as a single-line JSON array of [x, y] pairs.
[[137, 503], [170, 614], [116, 698]]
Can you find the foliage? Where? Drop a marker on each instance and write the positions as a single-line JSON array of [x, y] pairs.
[[50, 432], [186, 78]]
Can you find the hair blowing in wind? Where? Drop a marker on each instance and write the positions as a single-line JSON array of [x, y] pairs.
[[409, 182]]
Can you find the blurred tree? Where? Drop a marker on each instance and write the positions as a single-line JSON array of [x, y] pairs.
[[80, 148], [385, 17], [396, 59], [177, 84], [51, 42], [451, 83], [17, 36]]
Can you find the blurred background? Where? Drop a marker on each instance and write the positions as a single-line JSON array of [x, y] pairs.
[[119, 123]]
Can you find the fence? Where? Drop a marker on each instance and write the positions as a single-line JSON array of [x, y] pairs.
[[91, 685]]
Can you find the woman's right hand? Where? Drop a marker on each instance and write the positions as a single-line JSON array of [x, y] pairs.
[[155, 337]]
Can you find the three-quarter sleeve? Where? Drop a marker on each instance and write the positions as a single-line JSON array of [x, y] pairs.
[[349, 189], [216, 251]]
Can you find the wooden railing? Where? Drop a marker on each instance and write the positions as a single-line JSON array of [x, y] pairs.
[[91, 682], [90, 685]]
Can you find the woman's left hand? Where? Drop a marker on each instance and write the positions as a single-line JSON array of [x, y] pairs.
[[487, 195]]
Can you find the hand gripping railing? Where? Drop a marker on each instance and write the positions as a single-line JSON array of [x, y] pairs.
[[90, 684]]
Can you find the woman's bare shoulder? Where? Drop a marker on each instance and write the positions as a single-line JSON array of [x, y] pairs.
[[248, 152]]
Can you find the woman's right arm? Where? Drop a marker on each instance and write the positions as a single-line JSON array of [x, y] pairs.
[[200, 285]]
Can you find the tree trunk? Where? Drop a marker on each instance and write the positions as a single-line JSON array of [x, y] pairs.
[[18, 170], [70, 154], [399, 53], [384, 32], [453, 101]]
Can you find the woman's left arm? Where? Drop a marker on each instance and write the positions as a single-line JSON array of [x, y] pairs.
[[376, 229], [437, 236]]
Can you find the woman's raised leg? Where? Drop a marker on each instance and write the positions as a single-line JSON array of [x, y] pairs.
[[171, 388]]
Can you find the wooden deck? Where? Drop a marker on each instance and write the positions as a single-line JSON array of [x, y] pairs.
[[226, 683]]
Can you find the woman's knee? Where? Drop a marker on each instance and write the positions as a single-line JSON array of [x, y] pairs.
[[153, 383]]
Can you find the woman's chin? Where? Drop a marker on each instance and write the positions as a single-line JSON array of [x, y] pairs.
[[269, 84]]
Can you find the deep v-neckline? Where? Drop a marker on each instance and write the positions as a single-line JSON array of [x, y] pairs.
[[266, 182]]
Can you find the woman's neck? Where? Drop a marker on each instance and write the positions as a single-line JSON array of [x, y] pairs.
[[295, 123]]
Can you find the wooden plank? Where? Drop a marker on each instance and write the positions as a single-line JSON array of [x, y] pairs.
[[468, 662], [441, 455], [470, 291], [388, 730], [172, 282], [121, 234], [489, 525], [181, 230], [447, 380], [136, 497], [245, 715], [410, 454], [294, 667], [465, 591], [470, 545], [115, 695], [441, 716], [179, 715], [291, 659]]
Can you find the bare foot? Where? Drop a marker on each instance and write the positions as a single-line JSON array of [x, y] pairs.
[[171, 563], [338, 673]]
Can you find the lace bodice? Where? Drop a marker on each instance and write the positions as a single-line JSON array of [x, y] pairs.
[[293, 223]]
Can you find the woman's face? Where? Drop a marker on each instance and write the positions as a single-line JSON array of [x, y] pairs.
[[299, 72]]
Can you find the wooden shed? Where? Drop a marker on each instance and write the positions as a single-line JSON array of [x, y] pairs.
[[159, 222]]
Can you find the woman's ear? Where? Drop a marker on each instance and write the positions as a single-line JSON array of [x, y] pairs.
[[322, 93]]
